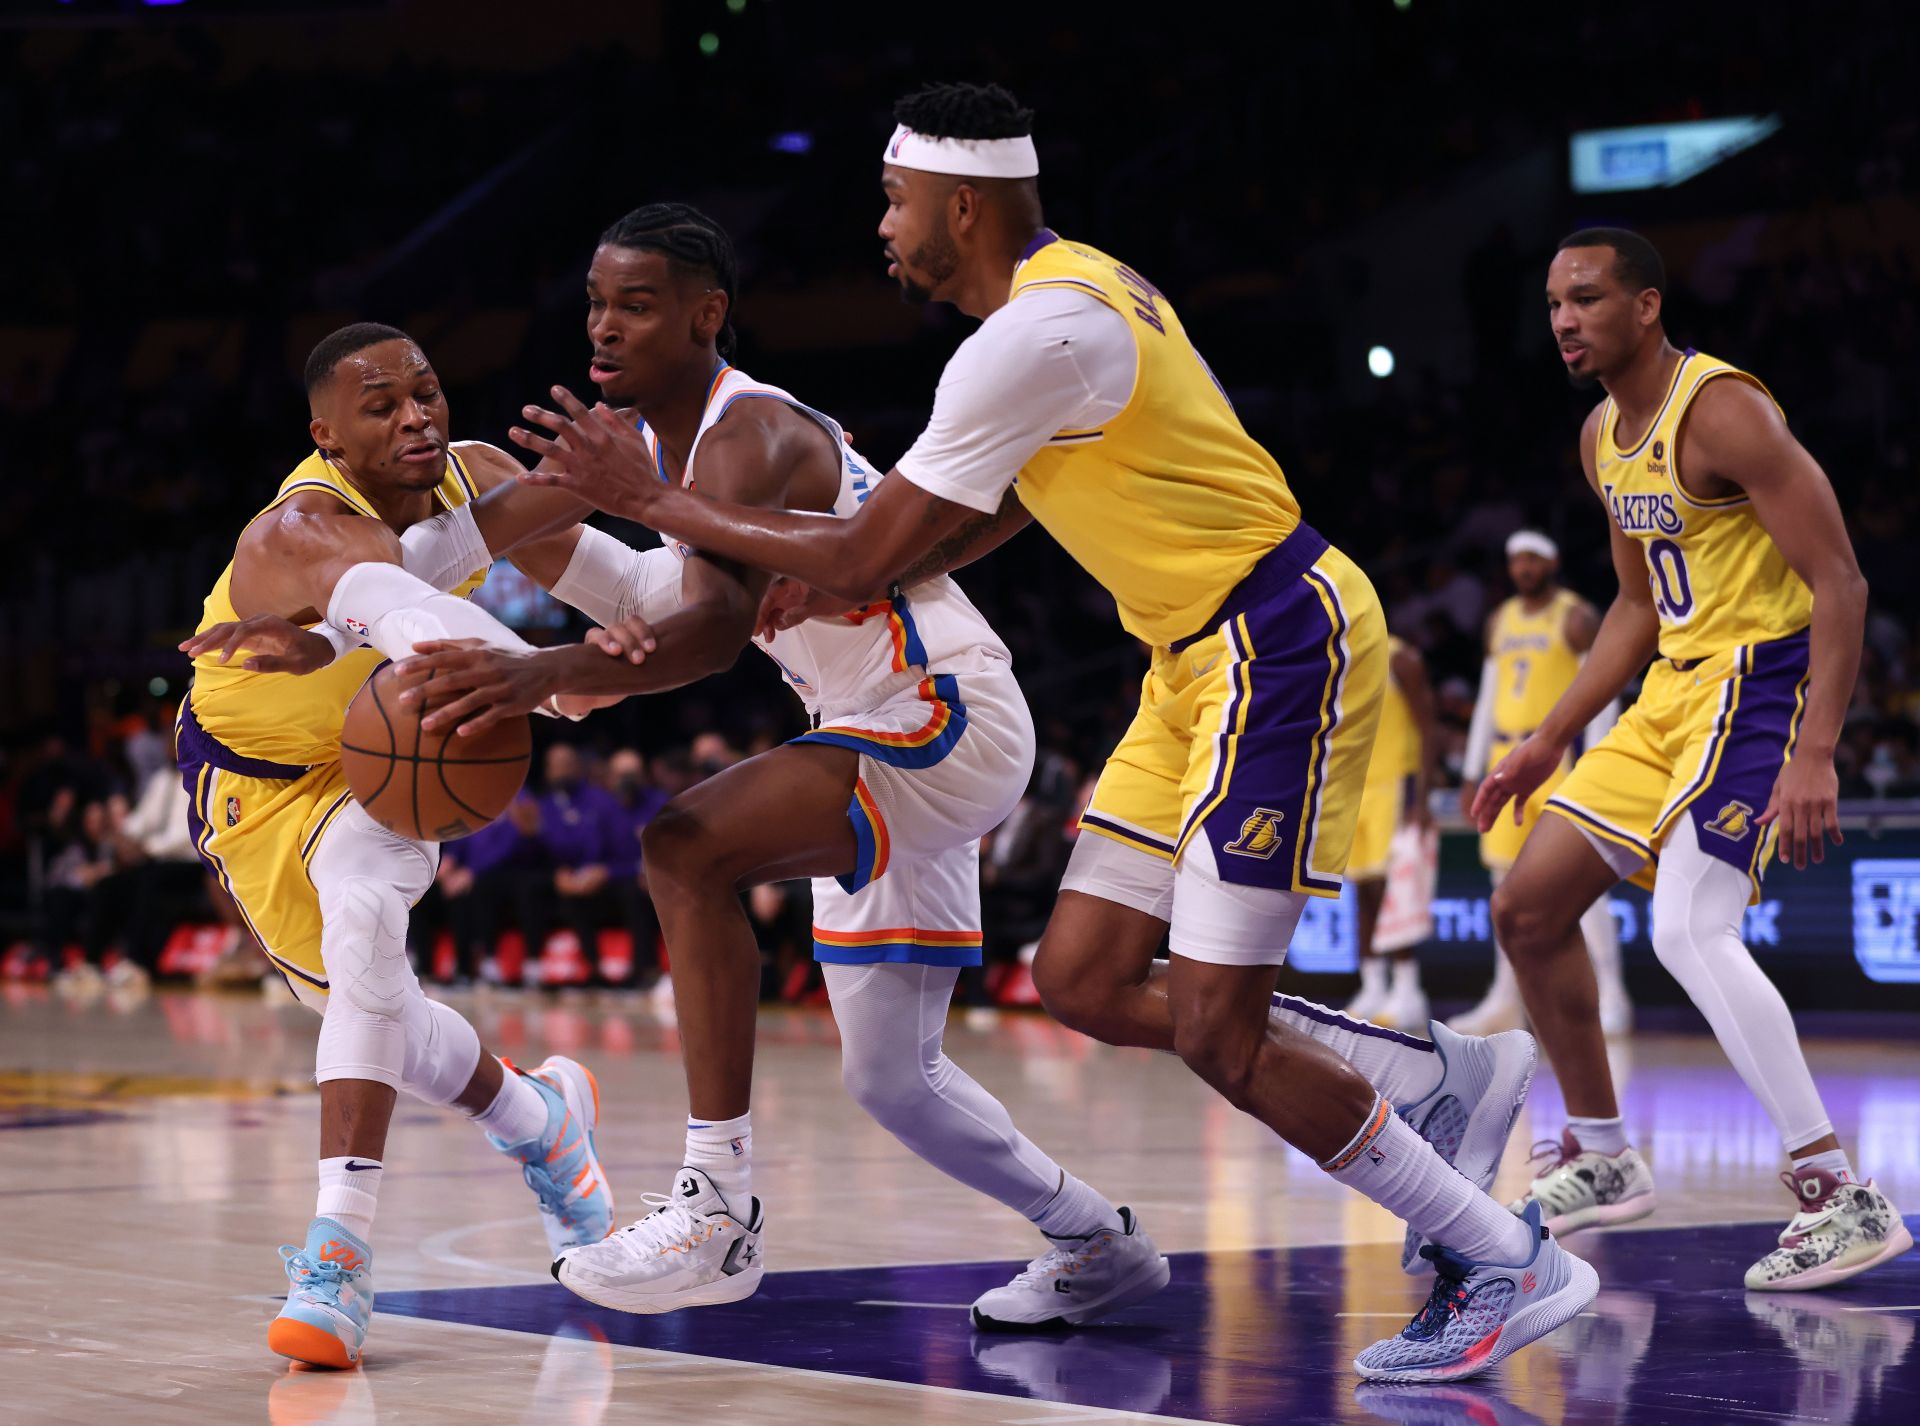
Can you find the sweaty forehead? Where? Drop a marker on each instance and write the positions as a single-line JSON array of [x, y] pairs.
[[1581, 267], [382, 364]]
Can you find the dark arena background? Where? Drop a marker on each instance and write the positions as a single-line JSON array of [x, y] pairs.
[[1352, 206]]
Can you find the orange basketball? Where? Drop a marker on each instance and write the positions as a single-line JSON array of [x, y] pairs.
[[432, 787]]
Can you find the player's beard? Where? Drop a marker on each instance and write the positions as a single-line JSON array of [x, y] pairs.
[[938, 258], [1581, 380]]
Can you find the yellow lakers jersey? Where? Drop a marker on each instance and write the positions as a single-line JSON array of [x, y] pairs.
[[1532, 664], [1171, 502], [295, 718], [1718, 579], [1396, 746]]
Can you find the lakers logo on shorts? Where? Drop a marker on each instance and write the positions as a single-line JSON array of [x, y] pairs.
[[1734, 821], [1259, 835]]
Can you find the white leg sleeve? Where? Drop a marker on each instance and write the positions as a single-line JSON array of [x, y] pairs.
[[394, 610], [891, 1020], [608, 580], [378, 1024], [1699, 903]]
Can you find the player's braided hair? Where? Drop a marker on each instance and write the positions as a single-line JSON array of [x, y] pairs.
[[964, 111], [692, 242], [336, 347]]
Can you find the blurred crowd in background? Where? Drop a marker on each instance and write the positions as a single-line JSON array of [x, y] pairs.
[[422, 164]]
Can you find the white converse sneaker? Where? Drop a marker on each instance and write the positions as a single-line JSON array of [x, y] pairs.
[[1498, 1011], [1405, 1007], [1468, 1116], [1077, 1280], [1842, 1229], [691, 1251], [1579, 1188]]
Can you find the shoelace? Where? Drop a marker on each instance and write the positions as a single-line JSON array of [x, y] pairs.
[[553, 1195], [321, 1275], [1055, 1261], [670, 1225], [1550, 1154], [1449, 1292]]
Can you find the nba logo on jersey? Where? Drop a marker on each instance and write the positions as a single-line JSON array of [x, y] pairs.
[[357, 629], [233, 812], [1259, 835], [1734, 821]]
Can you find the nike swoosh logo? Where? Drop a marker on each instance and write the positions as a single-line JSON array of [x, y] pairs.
[[1205, 668], [360, 1168]]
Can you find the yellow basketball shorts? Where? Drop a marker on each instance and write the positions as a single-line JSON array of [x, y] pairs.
[[256, 825], [1705, 740], [1500, 847], [1256, 733], [1381, 803]]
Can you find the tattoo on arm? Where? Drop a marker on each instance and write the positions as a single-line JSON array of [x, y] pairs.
[[951, 551]]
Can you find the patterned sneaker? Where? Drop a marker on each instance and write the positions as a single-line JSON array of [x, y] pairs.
[[1077, 1280], [691, 1251], [1842, 1228], [561, 1166], [325, 1318], [1481, 1313], [1579, 1188], [1469, 1114]]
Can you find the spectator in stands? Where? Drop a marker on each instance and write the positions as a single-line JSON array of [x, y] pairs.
[[636, 801], [476, 887], [581, 827]]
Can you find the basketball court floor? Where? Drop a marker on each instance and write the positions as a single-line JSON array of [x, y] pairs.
[[157, 1151]]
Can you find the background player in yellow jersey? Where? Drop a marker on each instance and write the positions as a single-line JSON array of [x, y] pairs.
[[1535, 642], [325, 889], [1399, 776], [1232, 797], [1735, 569]]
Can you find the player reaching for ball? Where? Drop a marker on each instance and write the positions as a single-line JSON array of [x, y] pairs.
[[325, 889]]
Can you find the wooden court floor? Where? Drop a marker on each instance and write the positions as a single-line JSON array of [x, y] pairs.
[[157, 1151]]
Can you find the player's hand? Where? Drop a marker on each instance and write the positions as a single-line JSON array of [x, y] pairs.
[[465, 684], [278, 645], [789, 603], [630, 639], [598, 455], [1806, 806], [1518, 777]]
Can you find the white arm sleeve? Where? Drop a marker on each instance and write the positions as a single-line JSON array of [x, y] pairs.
[[393, 610], [608, 580], [1473, 764], [443, 551], [1053, 360]]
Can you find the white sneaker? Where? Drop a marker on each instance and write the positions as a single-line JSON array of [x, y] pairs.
[[1842, 1229], [1077, 1280], [127, 976], [1579, 1188], [1405, 1008], [1492, 1015], [691, 1251], [1367, 1003], [1469, 1115]]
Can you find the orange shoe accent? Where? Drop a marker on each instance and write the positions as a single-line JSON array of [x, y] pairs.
[[307, 1343], [594, 1085], [335, 1251]]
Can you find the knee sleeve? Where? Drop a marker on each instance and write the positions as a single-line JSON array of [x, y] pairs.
[[442, 1051]]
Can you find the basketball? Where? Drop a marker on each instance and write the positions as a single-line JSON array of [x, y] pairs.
[[430, 786]]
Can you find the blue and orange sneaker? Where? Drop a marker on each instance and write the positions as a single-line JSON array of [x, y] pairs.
[[1481, 1313], [562, 1166], [324, 1321]]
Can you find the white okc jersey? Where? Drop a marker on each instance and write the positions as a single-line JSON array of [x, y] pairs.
[[856, 662]]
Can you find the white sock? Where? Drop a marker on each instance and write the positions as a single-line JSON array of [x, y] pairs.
[[1076, 1211], [518, 1112], [1406, 975], [723, 1151], [1602, 1136], [1834, 1161], [1373, 975], [349, 1189], [1404, 1069], [1399, 1170]]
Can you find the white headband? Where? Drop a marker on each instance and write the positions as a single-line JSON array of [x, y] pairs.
[[1531, 542], [964, 158]]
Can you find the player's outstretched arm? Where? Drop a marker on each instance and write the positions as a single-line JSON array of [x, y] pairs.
[[599, 455], [1735, 431], [1628, 635]]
